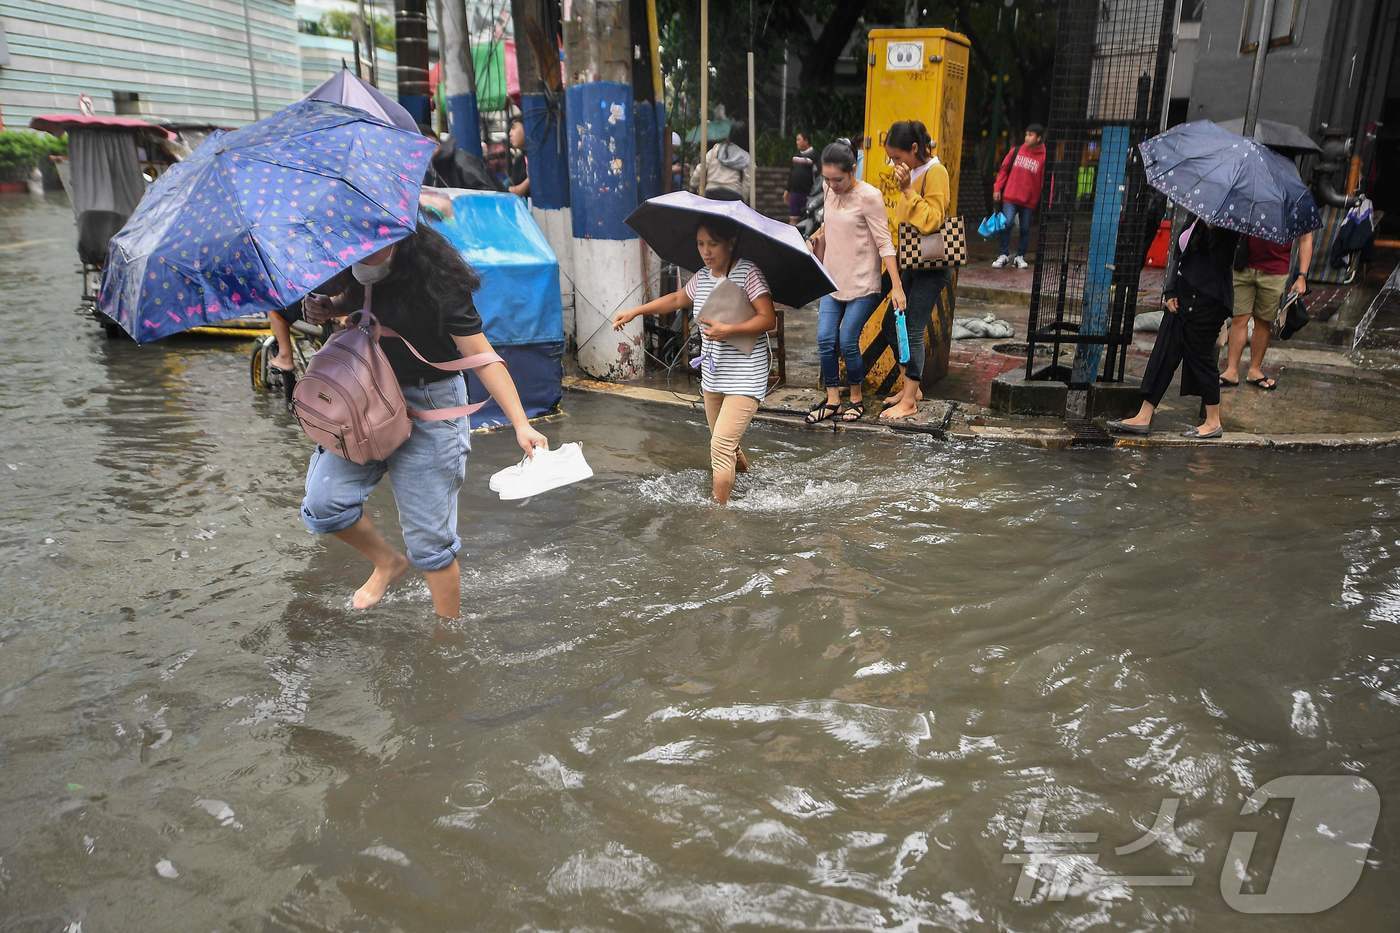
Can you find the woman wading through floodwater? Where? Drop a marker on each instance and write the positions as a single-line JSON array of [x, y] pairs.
[[732, 378], [422, 289]]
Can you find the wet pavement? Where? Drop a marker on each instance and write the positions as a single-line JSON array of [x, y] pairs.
[[1320, 391], [831, 706]]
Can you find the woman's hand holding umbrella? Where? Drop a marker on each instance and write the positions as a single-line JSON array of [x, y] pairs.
[[897, 299], [318, 309]]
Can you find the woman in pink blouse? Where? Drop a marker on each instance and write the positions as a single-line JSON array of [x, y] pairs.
[[854, 243]]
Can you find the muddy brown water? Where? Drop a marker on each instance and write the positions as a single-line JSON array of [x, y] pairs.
[[828, 707]]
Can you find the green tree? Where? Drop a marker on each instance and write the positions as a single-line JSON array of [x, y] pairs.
[[1016, 40], [341, 24]]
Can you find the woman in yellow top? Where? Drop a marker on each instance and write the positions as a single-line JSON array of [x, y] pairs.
[[923, 202]]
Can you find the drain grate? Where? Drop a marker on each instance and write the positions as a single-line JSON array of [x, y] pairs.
[[1087, 433]]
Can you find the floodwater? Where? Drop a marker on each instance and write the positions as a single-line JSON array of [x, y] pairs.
[[828, 707]]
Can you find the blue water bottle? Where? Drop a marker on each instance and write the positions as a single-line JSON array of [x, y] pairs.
[[902, 332]]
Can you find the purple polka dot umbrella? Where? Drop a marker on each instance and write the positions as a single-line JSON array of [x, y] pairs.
[[1229, 181], [255, 219]]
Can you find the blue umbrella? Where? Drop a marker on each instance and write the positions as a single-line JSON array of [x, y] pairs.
[[345, 88], [258, 217], [1229, 181]]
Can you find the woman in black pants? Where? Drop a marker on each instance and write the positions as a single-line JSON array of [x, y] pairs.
[[1199, 294]]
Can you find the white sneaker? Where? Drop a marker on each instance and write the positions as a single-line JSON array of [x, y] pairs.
[[546, 470], [1020, 262], [1001, 261]]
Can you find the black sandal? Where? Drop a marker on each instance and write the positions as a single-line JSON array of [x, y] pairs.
[[854, 408], [822, 412]]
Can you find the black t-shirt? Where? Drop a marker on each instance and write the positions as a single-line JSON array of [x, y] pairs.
[[518, 172], [460, 319], [802, 174]]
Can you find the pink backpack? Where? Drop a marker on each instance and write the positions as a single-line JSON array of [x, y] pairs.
[[349, 400]]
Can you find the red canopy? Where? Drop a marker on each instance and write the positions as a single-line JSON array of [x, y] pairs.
[[58, 123]]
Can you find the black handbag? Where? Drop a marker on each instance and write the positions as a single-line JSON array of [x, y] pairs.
[[1294, 314]]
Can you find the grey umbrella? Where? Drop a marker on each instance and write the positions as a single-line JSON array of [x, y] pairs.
[[1284, 137]]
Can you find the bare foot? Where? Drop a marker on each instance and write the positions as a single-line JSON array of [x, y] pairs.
[[741, 462], [899, 410], [283, 363], [891, 400], [369, 595]]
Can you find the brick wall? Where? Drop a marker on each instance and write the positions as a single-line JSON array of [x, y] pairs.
[[770, 192]]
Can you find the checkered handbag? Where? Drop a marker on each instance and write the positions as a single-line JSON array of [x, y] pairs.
[[944, 248]]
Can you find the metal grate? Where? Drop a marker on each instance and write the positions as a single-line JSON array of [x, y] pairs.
[[1097, 213]]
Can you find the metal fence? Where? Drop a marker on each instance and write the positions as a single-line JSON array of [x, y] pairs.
[[1097, 213]]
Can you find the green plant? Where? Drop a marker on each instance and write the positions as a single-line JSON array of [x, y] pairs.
[[341, 23], [21, 150]]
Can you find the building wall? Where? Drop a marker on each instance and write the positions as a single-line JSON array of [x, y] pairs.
[[1220, 84], [321, 57], [185, 59]]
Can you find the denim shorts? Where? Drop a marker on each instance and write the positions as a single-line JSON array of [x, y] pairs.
[[426, 473]]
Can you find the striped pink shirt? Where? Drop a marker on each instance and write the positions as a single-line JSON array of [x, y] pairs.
[[857, 233]]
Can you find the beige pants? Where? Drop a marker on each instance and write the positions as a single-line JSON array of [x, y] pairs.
[[729, 417]]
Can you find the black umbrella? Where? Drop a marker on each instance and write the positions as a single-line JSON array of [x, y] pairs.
[[1284, 137], [794, 275]]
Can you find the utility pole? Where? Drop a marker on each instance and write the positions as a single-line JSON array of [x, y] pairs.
[[537, 34], [460, 78], [1256, 78], [364, 33], [704, 91], [252, 71], [782, 107], [602, 148], [411, 44]]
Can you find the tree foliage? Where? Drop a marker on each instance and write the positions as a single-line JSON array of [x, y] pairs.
[[341, 24], [1016, 41], [22, 150]]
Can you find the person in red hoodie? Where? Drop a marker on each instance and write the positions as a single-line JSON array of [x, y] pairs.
[[1017, 191]]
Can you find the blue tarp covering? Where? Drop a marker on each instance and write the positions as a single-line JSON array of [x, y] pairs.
[[519, 295]]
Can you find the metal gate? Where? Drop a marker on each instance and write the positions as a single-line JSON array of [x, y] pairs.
[[1097, 213]]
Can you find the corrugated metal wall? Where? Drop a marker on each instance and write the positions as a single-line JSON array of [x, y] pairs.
[[184, 59]]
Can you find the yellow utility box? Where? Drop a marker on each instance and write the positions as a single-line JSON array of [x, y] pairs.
[[913, 74]]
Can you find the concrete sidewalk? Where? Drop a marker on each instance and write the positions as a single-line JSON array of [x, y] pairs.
[[1322, 399]]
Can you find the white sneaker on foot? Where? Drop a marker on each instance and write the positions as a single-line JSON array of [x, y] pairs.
[[546, 470], [1020, 262], [1001, 261]]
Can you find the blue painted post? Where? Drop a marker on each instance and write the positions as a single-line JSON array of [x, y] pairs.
[[603, 185], [1103, 245], [459, 82], [537, 34]]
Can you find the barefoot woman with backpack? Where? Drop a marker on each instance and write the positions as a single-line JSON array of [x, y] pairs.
[[369, 397]]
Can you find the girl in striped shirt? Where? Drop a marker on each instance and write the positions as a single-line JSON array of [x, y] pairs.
[[733, 382]]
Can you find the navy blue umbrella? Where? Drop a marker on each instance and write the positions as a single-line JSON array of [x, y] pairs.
[[1229, 181], [258, 217]]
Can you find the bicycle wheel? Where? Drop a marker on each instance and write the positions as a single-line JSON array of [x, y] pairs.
[[257, 365]]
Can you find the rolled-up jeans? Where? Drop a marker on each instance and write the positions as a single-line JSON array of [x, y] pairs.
[[839, 324], [427, 472]]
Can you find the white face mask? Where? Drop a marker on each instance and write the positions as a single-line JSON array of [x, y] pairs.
[[368, 275]]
